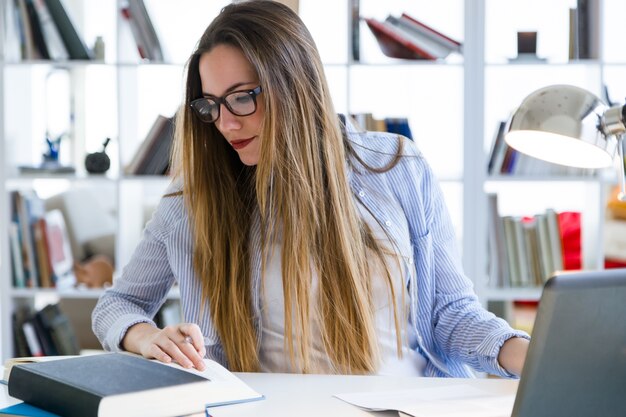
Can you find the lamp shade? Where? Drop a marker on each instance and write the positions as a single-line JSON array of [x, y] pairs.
[[562, 124]]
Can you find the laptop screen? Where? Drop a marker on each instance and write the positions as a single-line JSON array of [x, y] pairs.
[[576, 363]]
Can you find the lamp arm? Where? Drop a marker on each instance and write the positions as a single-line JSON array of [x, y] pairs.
[[621, 196]]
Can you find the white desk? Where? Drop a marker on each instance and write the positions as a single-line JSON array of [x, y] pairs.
[[288, 395]]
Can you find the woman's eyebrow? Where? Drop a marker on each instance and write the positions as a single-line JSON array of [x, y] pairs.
[[229, 89]]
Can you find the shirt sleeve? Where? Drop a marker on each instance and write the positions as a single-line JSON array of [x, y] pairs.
[[464, 328], [139, 292], [464, 331]]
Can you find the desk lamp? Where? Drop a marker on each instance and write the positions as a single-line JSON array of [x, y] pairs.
[[570, 126]]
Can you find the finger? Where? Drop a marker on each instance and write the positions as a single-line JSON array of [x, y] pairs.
[[190, 351], [157, 353], [195, 340], [178, 351]]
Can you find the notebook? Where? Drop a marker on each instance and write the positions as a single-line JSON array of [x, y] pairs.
[[576, 364]]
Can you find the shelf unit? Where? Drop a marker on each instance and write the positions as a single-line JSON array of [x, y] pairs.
[[585, 194]]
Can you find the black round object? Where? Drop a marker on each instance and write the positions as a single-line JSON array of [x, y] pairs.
[[97, 163]]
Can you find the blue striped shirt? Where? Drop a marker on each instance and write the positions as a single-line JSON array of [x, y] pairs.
[[454, 332]]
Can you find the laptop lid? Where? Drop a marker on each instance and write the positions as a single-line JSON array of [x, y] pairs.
[[576, 363]]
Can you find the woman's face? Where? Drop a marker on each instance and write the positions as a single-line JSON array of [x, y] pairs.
[[223, 70]]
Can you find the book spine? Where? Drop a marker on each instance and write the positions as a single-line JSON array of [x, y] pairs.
[[28, 45], [140, 14], [52, 395], [56, 48], [75, 46], [19, 281], [134, 28], [38, 39]]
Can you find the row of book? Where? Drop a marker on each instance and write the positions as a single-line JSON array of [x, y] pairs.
[[47, 332], [367, 121], [523, 251], [406, 37], [153, 155], [39, 245], [43, 29], [504, 160]]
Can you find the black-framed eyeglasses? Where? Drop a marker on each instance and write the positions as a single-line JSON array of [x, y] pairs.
[[239, 103]]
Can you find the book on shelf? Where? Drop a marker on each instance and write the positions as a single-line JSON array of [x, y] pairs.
[[51, 35], [153, 155], [10, 18], [27, 40], [73, 42], [586, 32], [115, 384], [408, 38], [142, 29], [355, 30], [498, 252], [36, 31]]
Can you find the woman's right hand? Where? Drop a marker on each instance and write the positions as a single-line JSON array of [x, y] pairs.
[[182, 343]]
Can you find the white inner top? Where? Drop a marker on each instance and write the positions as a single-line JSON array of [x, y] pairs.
[[274, 357]]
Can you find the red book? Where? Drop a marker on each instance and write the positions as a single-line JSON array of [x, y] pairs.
[[435, 33], [393, 44]]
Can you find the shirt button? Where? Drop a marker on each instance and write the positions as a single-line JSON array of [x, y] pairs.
[[361, 193], [388, 223], [411, 261]]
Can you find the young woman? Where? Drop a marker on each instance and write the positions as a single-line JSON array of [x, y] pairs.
[[299, 244]]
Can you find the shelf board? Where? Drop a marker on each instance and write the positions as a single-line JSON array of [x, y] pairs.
[[547, 178], [70, 64], [542, 63], [512, 294], [78, 293], [56, 177]]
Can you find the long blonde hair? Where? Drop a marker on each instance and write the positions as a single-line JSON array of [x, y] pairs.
[[300, 187]]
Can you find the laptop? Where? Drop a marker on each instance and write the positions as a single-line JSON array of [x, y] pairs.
[[576, 363]]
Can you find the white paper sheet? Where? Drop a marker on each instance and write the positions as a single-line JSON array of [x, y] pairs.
[[449, 401]]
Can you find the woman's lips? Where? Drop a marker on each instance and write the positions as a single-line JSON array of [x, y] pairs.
[[240, 144]]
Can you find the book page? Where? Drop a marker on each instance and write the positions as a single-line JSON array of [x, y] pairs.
[[449, 401], [228, 388]]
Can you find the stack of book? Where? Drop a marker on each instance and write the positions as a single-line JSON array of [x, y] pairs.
[[153, 155], [41, 29], [407, 38]]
